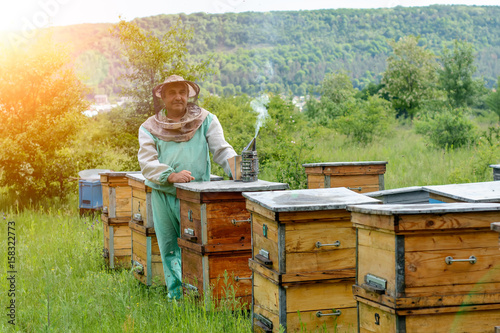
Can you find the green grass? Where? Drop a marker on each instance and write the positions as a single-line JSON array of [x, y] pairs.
[[63, 286], [411, 162]]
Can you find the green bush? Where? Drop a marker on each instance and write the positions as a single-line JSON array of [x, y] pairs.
[[366, 119], [449, 128]]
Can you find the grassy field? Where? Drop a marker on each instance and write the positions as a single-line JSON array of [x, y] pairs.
[[62, 285]]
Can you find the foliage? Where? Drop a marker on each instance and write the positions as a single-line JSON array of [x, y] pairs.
[[411, 75], [366, 120], [286, 143], [493, 100], [447, 128], [456, 75], [150, 59], [41, 101], [294, 50]]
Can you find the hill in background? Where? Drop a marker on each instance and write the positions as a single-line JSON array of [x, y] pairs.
[[291, 51]]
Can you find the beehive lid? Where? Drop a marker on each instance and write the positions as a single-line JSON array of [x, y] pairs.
[[91, 174], [443, 208], [309, 200], [469, 192], [495, 166], [117, 173], [360, 163], [395, 191], [231, 186], [136, 176]]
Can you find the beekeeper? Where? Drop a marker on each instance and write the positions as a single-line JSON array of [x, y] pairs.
[[174, 148]]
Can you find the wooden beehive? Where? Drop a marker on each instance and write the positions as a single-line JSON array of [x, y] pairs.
[[216, 232], [405, 195], [222, 273], [361, 177], [303, 258], [496, 171], [422, 256], [467, 192], [146, 258], [116, 196], [377, 318], [116, 212]]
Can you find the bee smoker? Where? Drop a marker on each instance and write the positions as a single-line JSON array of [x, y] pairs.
[[245, 167]]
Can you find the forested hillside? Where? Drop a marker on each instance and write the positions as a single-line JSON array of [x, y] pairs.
[[292, 51]]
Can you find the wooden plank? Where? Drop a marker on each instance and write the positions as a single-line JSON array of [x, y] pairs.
[[303, 237], [376, 169], [373, 319], [265, 294], [221, 230], [314, 170], [269, 243], [329, 294], [105, 195], [191, 272], [316, 277], [189, 196], [462, 240], [375, 221], [264, 271], [378, 262], [354, 181], [141, 229], [448, 221], [308, 321], [320, 261], [328, 215], [429, 268], [255, 208], [207, 197], [268, 315], [440, 298]]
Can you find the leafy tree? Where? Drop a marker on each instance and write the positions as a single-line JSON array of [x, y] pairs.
[[337, 87], [286, 143], [455, 77], [411, 75], [150, 59], [41, 104], [366, 119], [493, 100], [448, 128]]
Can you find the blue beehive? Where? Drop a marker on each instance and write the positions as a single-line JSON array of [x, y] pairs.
[[90, 193], [90, 190]]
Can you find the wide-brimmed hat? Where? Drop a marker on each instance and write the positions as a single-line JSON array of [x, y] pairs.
[[194, 89]]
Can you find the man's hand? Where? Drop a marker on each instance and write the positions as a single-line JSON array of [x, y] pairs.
[[180, 177]]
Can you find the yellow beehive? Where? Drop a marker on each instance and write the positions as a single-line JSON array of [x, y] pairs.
[[116, 200], [428, 255], [303, 259]]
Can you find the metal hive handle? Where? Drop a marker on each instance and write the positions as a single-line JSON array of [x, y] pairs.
[[335, 313], [449, 260]]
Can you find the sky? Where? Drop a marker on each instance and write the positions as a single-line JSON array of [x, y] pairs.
[[25, 15]]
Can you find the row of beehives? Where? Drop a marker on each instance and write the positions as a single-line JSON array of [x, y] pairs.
[[305, 256]]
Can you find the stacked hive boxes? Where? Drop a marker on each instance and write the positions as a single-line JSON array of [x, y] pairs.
[[215, 236], [116, 211], [427, 268], [146, 258], [361, 177], [303, 260]]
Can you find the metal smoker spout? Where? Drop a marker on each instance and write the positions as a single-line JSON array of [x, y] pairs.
[[250, 162], [245, 167]]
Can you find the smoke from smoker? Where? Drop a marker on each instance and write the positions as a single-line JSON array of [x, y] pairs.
[[259, 105]]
